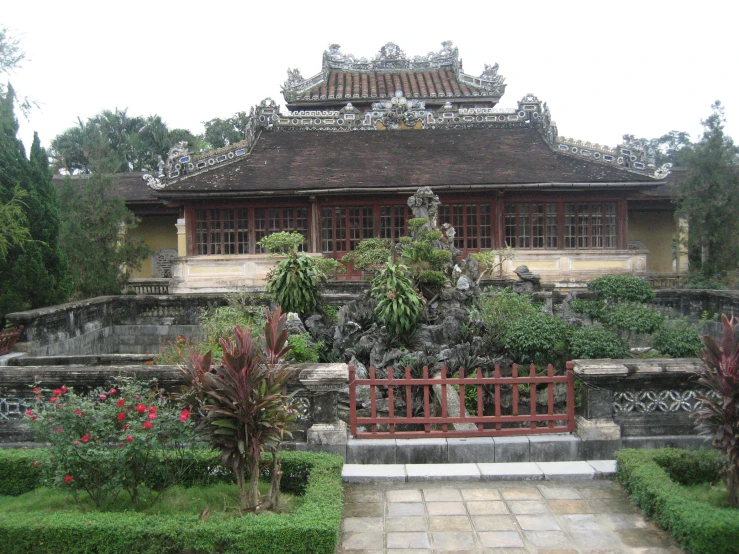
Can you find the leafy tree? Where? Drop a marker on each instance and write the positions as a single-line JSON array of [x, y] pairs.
[[671, 148], [96, 236], [12, 56], [708, 197], [221, 132]]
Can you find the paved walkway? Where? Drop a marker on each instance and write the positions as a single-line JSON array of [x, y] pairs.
[[511, 517]]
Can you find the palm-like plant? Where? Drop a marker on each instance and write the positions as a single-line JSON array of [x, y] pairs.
[[719, 412], [246, 408]]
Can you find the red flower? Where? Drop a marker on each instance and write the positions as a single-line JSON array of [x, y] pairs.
[[53, 399], [34, 417], [76, 443], [184, 415], [29, 413], [67, 478], [78, 411], [152, 415], [36, 390], [35, 464], [64, 389], [102, 397], [58, 392], [59, 429], [141, 408], [129, 438], [85, 438], [148, 425], [126, 427], [112, 391], [121, 402], [152, 409], [121, 416]]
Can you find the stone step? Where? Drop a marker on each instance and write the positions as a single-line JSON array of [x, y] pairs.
[[528, 471]]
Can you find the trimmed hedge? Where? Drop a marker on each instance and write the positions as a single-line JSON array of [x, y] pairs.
[[313, 528], [652, 477]]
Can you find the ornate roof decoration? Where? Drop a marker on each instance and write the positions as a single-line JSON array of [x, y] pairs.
[[437, 74]]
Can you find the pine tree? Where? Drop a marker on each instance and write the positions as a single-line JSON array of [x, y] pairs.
[[709, 198], [32, 274]]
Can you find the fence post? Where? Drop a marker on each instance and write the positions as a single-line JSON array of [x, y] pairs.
[[325, 381], [570, 397], [352, 402]]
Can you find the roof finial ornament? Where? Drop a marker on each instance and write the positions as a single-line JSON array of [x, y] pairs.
[[294, 78]]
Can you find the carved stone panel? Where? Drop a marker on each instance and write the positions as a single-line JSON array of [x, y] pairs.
[[161, 263]]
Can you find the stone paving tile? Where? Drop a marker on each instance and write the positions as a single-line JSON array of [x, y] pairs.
[[580, 522], [362, 496], [538, 523], [449, 523], [512, 493], [644, 538], [570, 507], [624, 521], [363, 510], [446, 542], [410, 523], [614, 506], [547, 539], [442, 495], [500, 539], [480, 494], [446, 508], [505, 551], [362, 524], [600, 492], [528, 507], [559, 493], [408, 551], [594, 538], [492, 507], [404, 496], [408, 540], [359, 541], [494, 523], [395, 509]]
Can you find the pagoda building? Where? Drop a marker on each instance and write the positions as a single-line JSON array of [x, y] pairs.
[[361, 136]]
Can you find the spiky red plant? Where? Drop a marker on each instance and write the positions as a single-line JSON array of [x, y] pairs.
[[719, 412]]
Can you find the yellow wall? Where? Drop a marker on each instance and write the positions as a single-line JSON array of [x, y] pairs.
[[159, 232], [656, 230]]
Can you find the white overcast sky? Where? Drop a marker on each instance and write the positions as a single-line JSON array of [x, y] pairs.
[[605, 69]]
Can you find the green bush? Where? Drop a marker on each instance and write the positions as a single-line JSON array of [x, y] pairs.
[[591, 308], [536, 338], [313, 528], [303, 348], [632, 317], [399, 306], [621, 288], [678, 339], [18, 474], [589, 343], [218, 323], [370, 254], [653, 479], [499, 308]]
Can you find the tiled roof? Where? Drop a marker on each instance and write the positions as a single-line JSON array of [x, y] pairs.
[[383, 84], [285, 162]]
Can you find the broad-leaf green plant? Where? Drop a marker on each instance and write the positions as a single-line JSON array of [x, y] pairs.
[[247, 410], [399, 306]]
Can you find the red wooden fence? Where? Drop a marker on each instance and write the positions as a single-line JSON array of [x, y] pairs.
[[8, 339], [442, 425]]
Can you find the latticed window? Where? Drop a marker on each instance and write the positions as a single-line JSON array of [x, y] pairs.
[[228, 230], [590, 225], [222, 231], [531, 225], [342, 228], [275, 220], [392, 222], [472, 224]]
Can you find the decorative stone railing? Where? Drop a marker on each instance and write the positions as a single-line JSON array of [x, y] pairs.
[[147, 286], [636, 398]]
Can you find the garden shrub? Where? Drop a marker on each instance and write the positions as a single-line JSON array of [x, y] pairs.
[[621, 288], [312, 529], [536, 338], [677, 339], [593, 342], [632, 318], [399, 306], [590, 308], [499, 308], [303, 348], [110, 441], [651, 478], [370, 254]]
